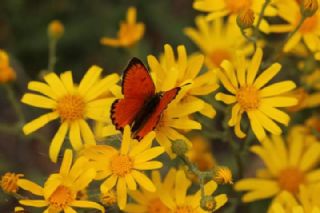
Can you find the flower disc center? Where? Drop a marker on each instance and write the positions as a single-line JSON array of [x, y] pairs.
[[121, 165], [71, 107], [248, 98], [61, 197], [290, 179]]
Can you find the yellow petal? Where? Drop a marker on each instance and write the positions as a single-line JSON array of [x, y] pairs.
[[38, 101], [34, 203], [39, 122], [74, 134], [87, 204], [66, 162], [30, 186], [109, 183], [277, 88], [148, 154], [67, 80], [55, 84], [86, 132], [121, 193], [126, 139], [254, 66], [267, 75], [256, 126], [131, 183], [150, 165], [57, 141], [143, 181], [89, 79], [42, 88]]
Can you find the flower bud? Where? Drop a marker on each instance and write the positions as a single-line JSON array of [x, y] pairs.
[[179, 147], [108, 198], [309, 7], [9, 181], [55, 29], [208, 203], [245, 19], [223, 175]]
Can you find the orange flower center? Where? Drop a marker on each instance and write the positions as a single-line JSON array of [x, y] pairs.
[[61, 198], [218, 55], [290, 179], [184, 209], [71, 107], [156, 206], [309, 25], [248, 98], [236, 6], [9, 182], [121, 165]]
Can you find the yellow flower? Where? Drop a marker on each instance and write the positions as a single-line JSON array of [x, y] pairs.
[[9, 181], [218, 40], [178, 201], [6, 72], [232, 8], [313, 79], [249, 94], [305, 100], [130, 32], [72, 104], [60, 190], [55, 29], [122, 169], [307, 201], [170, 72], [288, 166], [150, 202], [223, 175], [308, 32]]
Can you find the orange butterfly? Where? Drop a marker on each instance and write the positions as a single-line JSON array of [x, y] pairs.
[[141, 107]]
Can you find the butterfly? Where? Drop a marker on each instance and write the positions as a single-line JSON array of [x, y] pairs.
[[141, 107]]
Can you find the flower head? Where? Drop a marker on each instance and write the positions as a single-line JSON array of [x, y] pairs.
[[250, 95], [130, 32], [9, 181], [55, 29], [178, 201], [289, 165], [308, 32], [183, 71], [122, 169], [60, 190], [73, 105], [6, 72], [223, 175], [150, 202], [232, 8], [218, 40]]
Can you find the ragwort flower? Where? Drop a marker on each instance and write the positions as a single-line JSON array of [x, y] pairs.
[[72, 104], [288, 166], [177, 199], [60, 190], [307, 201], [122, 169], [9, 181], [232, 8], [6, 72], [250, 95], [150, 202], [309, 31], [130, 32], [170, 72], [218, 41]]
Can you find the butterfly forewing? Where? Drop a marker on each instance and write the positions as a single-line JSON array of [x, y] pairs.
[[137, 82]]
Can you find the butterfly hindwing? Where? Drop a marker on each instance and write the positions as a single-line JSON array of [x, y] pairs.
[[154, 117], [137, 82], [124, 111]]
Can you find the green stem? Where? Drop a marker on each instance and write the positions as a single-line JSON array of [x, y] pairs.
[[250, 39], [52, 54], [279, 50], [15, 104], [263, 9]]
